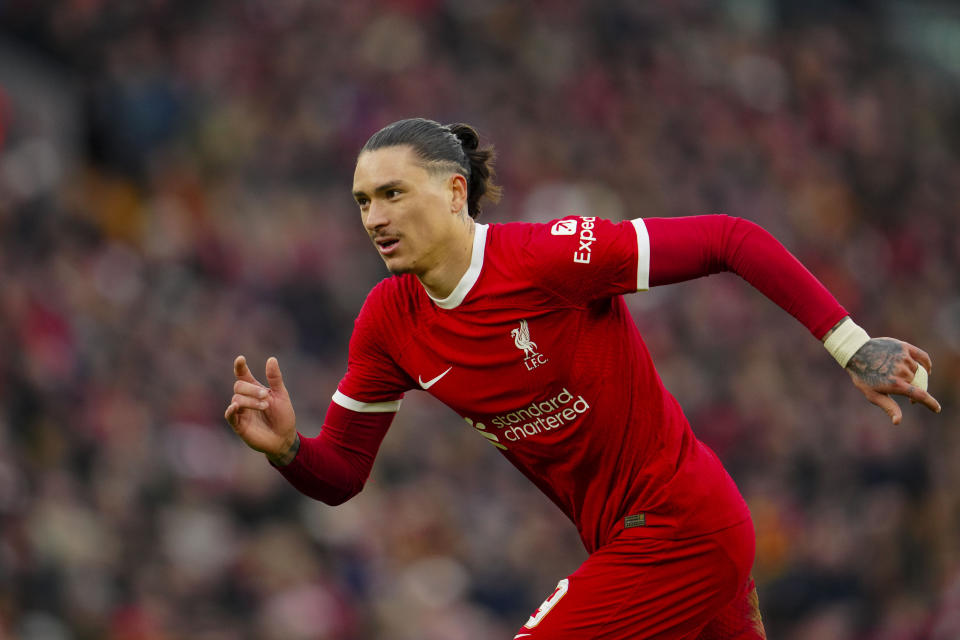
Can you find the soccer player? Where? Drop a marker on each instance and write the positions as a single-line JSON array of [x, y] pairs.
[[521, 329]]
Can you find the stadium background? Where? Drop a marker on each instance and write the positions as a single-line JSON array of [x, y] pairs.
[[174, 190]]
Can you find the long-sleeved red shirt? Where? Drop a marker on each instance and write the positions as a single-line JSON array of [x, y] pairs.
[[536, 351]]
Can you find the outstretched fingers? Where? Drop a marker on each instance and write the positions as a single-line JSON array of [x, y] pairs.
[[274, 376], [915, 358], [248, 402], [883, 398], [885, 402], [916, 394], [921, 356], [244, 388], [242, 371], [248, 393], [231, 414]]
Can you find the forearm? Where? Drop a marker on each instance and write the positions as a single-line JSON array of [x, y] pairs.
[[686, 248], [829, 333], [285, 458], [322, 473], [334, 466]]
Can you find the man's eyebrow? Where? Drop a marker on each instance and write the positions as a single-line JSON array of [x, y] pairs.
[[384, 187]]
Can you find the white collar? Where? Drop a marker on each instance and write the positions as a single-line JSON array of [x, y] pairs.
[[472, 274]]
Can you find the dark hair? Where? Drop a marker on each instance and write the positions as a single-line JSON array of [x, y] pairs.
[[452, 147]]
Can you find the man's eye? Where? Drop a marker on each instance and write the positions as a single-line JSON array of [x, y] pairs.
[[362, 202], [392, 193]]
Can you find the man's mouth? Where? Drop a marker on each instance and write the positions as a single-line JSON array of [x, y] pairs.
[[387, 245]]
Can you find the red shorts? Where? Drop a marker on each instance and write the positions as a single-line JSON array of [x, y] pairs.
[[636, 587]]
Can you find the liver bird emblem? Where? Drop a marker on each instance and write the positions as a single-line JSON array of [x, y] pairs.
[[521, 338]]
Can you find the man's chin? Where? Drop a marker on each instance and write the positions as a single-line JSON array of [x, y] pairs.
[[396, 267]]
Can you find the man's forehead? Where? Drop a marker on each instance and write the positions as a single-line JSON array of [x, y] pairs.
[[389, 164]]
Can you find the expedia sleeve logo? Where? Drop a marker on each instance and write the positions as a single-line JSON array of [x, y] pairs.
[[564, 228], [569, 228], [583, 253]]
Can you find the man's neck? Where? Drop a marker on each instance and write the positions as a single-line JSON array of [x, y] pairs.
[[441, 280]]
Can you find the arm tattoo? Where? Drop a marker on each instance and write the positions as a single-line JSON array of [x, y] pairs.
[[833, 328], [286, 458], [875, 361]]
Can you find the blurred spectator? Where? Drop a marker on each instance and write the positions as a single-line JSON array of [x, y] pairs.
[[174, 185]]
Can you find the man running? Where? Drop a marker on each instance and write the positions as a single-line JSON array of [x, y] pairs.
[[521, 329]]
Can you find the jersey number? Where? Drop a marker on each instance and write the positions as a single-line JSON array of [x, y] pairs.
[[548, 604]]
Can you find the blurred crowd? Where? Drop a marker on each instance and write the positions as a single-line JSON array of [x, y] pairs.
[[175, 190]]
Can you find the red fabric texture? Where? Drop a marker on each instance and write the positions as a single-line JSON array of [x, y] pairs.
[[695, 246], [600, 447], [637, 587], [334, 466], [526, 355]]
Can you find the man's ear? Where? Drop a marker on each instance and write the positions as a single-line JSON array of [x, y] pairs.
[[458, 193]]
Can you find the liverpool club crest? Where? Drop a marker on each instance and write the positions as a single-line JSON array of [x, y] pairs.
[[521, 339]]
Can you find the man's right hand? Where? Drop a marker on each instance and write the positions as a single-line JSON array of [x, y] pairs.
[[263, 416]]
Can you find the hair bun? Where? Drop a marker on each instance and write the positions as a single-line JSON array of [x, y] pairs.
[[466, 134]]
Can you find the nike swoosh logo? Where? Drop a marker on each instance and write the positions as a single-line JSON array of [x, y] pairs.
[[430, 383], [521, 635]]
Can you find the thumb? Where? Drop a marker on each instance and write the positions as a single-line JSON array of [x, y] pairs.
[[274, 377], [888, 404]]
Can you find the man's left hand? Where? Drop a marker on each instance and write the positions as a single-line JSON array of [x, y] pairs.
[[884, 367]]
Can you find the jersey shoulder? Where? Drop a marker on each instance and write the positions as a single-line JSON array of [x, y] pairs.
[[522, 233], [394, 296], [577, 258], [390, 308], [526, 244]]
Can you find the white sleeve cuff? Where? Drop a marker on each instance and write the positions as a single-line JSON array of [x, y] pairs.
[[845, 341], [347, 402], [643, 254]]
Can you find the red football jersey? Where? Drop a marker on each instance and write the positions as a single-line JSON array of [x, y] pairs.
[[538, 353]]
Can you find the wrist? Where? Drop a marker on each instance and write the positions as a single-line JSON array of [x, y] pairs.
[[285, 458], [844, 340]]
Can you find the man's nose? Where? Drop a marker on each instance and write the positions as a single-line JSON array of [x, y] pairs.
[[375, 218]]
